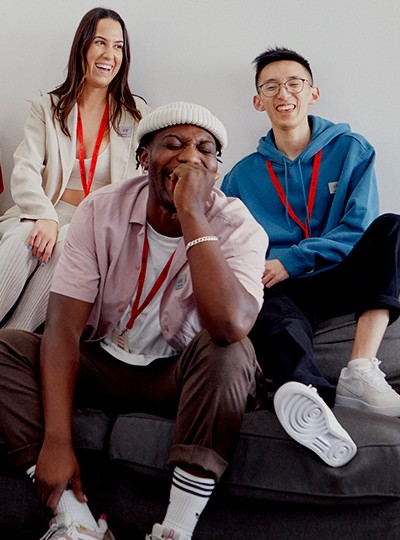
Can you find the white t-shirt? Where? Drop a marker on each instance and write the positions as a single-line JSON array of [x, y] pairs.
[[145, 340]]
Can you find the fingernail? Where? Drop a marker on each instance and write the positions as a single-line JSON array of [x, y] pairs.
[[42, 264], [30, 248]]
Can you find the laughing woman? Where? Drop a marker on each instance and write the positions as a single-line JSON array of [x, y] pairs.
[[78, 138]]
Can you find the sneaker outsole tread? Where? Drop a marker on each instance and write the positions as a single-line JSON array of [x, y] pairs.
[[309, 421]]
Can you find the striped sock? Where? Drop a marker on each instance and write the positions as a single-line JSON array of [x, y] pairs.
[[188, 498], [31, 473]]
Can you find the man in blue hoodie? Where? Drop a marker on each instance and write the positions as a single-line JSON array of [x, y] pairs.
[[311, 184]]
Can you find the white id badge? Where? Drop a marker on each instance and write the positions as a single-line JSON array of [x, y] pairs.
[[120, 339]]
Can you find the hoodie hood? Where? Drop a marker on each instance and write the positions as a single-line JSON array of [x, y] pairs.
[[323, 132]]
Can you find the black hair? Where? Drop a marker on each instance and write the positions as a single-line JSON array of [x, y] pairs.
[[276, 54]]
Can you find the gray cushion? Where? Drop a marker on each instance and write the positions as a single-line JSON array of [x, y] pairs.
[[91, 429], [267, 463]]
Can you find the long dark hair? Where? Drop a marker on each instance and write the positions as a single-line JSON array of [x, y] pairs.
[[70, 90]]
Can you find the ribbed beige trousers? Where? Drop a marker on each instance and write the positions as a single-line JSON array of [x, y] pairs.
[[24, 284]]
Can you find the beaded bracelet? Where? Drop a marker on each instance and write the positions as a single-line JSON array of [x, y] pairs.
[[200, 240]]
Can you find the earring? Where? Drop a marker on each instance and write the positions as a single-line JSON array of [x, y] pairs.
[[145, 169]]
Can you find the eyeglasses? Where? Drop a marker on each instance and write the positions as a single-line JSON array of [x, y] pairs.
[[293, 86]]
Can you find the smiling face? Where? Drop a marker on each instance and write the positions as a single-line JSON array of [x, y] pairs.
[[286, 111], [105, 54], [170, 148]]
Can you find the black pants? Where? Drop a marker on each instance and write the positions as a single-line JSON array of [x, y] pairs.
[[367, 279]]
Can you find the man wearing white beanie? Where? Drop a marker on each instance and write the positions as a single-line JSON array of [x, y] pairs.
[[162, 277]]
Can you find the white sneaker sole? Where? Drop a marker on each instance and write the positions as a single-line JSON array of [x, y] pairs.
[[308, 420], [355, 403]]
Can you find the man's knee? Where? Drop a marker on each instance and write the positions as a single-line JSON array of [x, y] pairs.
[[222, 362], [17, 345], [10, 336], [232, 362], [387, 223]]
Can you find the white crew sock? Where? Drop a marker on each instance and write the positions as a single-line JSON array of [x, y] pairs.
[[78, 512], [188, 498], [358, 362]]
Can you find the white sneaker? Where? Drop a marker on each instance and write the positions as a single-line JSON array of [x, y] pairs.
[[63, 528], [362, 385], [308, 420], [161, 533]]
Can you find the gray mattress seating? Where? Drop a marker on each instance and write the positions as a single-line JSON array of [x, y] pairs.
[[273, 489]]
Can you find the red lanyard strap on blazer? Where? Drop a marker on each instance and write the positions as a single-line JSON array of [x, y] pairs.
[[87, 184]]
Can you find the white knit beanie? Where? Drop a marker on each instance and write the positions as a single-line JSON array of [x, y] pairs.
[[179, 112]]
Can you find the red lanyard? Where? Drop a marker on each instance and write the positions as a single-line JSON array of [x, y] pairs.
[[136, 309], [311, 194], [81, 151]]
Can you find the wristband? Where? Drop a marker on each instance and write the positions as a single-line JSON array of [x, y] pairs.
[[200, 240]]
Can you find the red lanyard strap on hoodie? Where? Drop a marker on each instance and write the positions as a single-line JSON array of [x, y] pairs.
[[311, 193], [136, 309], [86, 185]]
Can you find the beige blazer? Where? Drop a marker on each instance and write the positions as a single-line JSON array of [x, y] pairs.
[[44, 160]]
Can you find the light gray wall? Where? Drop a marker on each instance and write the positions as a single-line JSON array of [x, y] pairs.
[[201, 51]]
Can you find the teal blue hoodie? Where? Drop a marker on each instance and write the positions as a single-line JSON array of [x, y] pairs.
[[346, 200]]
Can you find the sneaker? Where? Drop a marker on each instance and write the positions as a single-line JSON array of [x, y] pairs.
[[362, 385], [161, 533], [63, 528], [308, 420]]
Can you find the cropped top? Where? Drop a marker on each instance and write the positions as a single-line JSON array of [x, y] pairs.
[[102, 175]]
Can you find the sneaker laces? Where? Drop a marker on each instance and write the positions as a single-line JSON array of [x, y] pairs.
[[374, 375]]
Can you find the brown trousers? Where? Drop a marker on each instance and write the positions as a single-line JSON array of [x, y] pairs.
[[206, 389]]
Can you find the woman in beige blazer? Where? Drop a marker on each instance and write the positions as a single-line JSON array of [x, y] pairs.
[[77, 138]]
